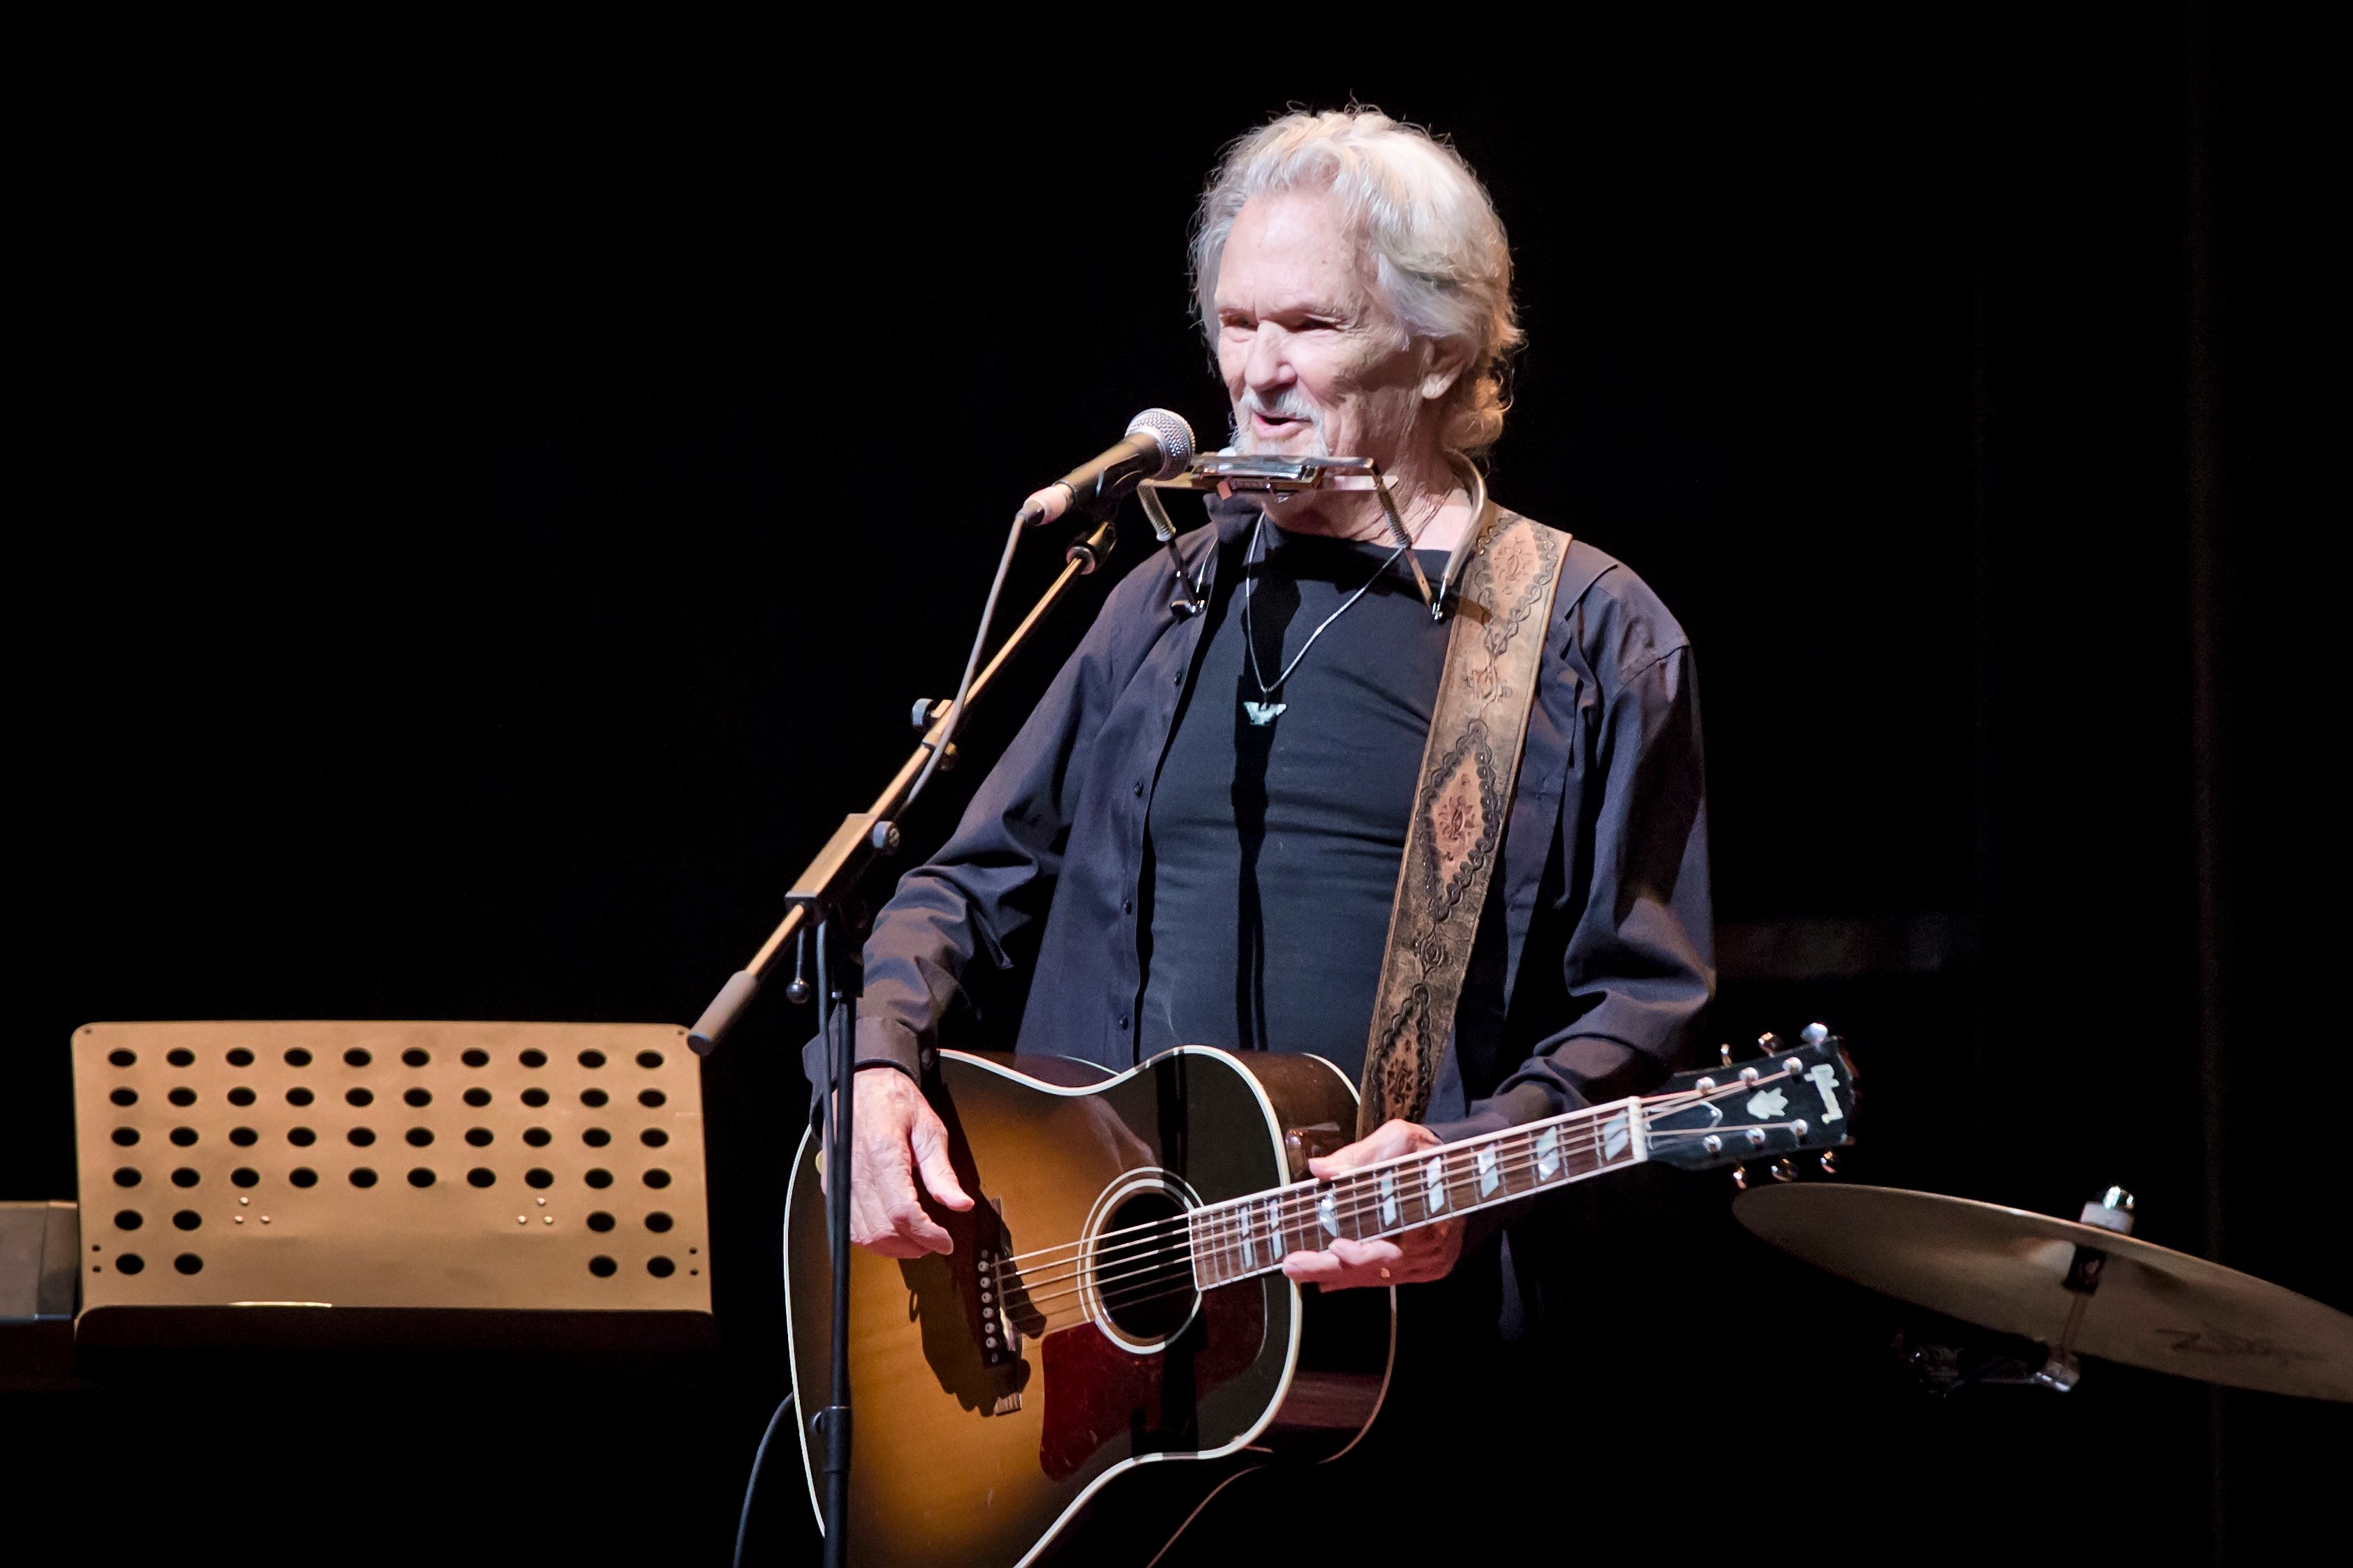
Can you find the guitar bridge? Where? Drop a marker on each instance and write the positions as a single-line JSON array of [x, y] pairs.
[[1000, 1334]]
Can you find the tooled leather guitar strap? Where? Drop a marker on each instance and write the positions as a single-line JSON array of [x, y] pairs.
[[1494, 652]]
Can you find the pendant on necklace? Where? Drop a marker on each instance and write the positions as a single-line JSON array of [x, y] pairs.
[[1263, 713]]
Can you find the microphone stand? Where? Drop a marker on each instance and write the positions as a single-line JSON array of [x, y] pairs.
[[817, 897]]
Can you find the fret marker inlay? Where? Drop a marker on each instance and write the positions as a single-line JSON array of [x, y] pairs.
[[1548, 1153], [1389, 1197], [1328, 1212], [1488, 1180], [1433, 1182]]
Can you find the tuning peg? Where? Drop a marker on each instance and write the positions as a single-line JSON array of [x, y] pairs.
[[1813, 1033], [1740, 1177], [1768, 1043], [1724, 1053], [1829, 1162], [1783, 1171]]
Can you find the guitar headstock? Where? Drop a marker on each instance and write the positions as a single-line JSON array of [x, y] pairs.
[[1785, 1102]]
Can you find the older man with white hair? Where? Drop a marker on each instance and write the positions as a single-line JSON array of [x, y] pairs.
[[1197, 836]]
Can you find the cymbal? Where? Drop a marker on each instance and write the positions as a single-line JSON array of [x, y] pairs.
[[2003, 1267]]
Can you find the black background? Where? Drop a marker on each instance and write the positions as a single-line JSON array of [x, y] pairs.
[[478, 533]]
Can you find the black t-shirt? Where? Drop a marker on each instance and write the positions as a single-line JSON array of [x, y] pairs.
[[1272, 850]]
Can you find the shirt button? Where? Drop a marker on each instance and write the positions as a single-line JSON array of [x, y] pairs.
[[1122, 1020], [1128, 907], [1139, 786]]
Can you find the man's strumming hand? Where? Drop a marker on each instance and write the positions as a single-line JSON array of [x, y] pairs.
[[898, 1137]]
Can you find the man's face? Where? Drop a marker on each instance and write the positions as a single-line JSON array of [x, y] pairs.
[[1313, 361]]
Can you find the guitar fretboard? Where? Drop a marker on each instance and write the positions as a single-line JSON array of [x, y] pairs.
[[1252, 1236]]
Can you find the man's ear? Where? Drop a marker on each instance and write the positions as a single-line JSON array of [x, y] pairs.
[[1442, 365]]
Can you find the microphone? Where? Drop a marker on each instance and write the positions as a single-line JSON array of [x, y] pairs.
[[1158, 446]]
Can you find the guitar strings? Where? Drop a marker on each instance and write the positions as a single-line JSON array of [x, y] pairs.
[[1299, 1204], [1132, 1271], [1216, 1226], [1104, 1282], [1218, 1222], [1671, 1104], [1174, 1252], [1137, 1288], [1453, 1156]]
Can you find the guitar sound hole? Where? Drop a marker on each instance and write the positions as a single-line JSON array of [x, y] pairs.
[[1143, 1271]]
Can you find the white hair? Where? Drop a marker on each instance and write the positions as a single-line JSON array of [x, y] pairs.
[[1437, 248]]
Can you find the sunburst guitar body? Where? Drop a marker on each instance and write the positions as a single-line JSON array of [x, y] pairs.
[[1113, 1337]]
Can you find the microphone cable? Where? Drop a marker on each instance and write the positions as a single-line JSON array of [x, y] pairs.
[[752, 1482], [1173, 439], [971, 664]]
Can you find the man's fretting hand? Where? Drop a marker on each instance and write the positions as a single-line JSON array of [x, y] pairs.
[[897, 1135], [1429, 1253]]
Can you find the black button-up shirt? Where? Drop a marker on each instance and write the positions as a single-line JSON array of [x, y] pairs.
[[1595, 951]]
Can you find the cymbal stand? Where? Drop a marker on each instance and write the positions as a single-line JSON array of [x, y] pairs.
[[2113, 1211], [1940, 1368]]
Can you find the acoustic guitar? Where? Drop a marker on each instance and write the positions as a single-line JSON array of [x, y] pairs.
[[1114, 1316]]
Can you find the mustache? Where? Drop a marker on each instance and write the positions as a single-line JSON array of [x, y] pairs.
[[1289, 404]]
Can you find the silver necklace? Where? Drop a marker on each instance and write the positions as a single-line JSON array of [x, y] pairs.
[[1266, 712]]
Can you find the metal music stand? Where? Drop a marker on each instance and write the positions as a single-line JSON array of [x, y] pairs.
[[364, 1183]]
